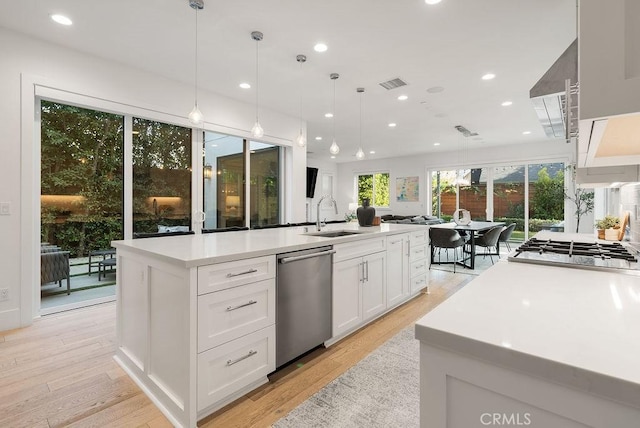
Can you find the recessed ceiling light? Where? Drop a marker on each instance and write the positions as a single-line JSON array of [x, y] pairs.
[[245, 85], [372, 152], [526, 133], [392, 125], [436, 144], [333, 157], [403, 97], [61, 19], [328, 115], [488, 76], [432, 1], [507, 103], [435, 89], [318, 138], [320, 47]]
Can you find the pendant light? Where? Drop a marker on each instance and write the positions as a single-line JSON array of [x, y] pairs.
[[360, 152], [334, 149], [257, 131], [196, 117], [301, 140]]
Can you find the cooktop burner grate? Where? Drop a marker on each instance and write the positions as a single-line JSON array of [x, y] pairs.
[[598, 250]]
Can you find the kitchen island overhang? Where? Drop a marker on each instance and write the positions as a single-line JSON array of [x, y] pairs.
[[523, 337]]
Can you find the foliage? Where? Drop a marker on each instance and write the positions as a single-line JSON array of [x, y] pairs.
[[374, 187], [446, 186], [82, 157], [548, 196], [608, 222]]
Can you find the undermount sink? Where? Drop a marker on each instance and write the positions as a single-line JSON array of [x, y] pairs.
[[333, 233]]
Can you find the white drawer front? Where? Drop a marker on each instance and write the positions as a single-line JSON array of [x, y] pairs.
[[231, 274], [419, 236], [418, 252], [350, 250], [228, 314], [230, 367], [418, 267], [418, 282]]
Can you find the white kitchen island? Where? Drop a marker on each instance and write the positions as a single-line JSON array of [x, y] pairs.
[[196, 322], [532, 345]]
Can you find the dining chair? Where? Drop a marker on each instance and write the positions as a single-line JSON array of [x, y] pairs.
[[505, 234], [446, 239], [488, 240]]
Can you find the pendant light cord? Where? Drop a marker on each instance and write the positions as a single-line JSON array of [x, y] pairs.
[[361, 120], [334, 110], [257, 41], [301, 85], [196, 62]]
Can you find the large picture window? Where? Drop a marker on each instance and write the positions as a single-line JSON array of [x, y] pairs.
[[374, 187]]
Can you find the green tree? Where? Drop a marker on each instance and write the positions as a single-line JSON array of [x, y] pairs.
[[548, 197], [374, 187]]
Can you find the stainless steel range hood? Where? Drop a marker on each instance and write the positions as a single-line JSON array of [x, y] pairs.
[[548, 94]]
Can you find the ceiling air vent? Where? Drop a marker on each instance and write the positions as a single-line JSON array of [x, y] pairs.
[[393, 83], [464, 131]]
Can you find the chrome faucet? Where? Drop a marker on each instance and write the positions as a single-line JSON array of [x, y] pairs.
[[335, 205]]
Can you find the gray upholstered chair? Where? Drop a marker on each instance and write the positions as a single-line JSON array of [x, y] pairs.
[[446, 239], [54, 267], [505, 234], [489, 239]]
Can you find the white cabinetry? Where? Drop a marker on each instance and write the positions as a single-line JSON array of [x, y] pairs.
[[359, 283], [397, 269], [195, 339], [418, 260]]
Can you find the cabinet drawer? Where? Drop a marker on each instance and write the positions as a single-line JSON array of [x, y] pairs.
[[231, 274], [418, 252], [353, 249], [418, 267], [418, 282], [234, 312], [419, 236], [228, 368]]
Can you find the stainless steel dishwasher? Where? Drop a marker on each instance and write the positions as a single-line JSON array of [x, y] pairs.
[[303, 302]]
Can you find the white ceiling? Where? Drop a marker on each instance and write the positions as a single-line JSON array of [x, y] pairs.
[[451, 44]]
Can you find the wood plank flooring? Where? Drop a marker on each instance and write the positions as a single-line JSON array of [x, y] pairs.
[[60, 371]]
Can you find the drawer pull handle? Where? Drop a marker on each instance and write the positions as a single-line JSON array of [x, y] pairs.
[[419, 266], [395, 242], [249, 303], [244, 357], [420, 251], [231, 275]]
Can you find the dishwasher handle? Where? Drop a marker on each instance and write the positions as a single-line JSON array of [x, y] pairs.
[[306, 256]]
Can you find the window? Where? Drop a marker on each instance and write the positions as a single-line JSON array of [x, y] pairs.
[[224, 180], [161, 177], [264, 190], [374, 187], [81, 177], [225, 172]]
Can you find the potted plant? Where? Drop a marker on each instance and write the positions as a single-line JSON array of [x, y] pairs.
[[608, 222]]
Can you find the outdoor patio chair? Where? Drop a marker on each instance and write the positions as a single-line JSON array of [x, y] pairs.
[[54, 267]]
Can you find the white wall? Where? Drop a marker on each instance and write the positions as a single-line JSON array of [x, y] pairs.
[[28, 63], [327, 211], [541, 151]]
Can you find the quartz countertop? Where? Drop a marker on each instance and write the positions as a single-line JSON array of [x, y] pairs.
[[575, 327], [197, 250]]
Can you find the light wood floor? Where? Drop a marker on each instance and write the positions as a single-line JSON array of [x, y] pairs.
[[60, 371]]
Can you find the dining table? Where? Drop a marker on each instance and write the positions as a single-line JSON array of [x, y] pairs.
[[472, 230]]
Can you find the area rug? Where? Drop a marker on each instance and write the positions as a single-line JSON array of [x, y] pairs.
[[382, 390]]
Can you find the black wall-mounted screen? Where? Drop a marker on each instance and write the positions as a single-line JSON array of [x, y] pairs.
[[312, 176]]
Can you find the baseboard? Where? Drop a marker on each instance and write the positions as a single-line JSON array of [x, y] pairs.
[[10, 319]]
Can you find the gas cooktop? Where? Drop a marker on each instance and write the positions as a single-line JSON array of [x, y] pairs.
[[587, 255]]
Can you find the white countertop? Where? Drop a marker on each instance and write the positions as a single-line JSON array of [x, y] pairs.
[[575, 327], [197, 250]]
